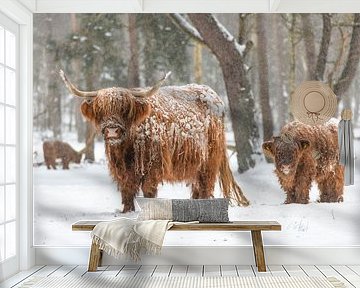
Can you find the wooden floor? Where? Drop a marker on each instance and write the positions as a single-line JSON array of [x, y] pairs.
[[349, 274]]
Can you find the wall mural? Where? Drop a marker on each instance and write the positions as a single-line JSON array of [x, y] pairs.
[[113, 125]]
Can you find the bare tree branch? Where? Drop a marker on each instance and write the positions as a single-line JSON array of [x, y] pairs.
[[249, 44], [184, 25], [324, 47], [343, 48], [352, 62], [242, 34], [242, 30]]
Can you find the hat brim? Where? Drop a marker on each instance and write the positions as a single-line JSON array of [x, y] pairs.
[[318, 114]]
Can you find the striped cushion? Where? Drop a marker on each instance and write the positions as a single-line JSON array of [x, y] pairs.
[[184, 210]]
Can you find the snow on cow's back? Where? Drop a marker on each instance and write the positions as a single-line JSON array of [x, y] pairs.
[[192, 97]]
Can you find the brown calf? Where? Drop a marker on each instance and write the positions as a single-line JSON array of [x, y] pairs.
[[303, 154], [57, 149]]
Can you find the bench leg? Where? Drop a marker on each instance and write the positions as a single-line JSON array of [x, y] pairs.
[[258, 250], [95, 257]]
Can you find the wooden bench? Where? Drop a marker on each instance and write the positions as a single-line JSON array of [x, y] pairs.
[[254, 226]]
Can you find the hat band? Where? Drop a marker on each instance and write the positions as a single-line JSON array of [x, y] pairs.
[[315, 116]]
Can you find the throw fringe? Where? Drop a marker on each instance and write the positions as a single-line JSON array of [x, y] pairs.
[[106, 247], [336, 283], [134, 246]]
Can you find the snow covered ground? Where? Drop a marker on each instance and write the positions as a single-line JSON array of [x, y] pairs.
[[86, 191]]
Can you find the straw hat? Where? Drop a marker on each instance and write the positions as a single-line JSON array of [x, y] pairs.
[[313, 103]]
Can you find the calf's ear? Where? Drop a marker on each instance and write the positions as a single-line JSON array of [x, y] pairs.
[[268, 148], [304, 144]]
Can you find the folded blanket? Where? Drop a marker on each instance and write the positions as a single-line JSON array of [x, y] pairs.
[[128, 237]]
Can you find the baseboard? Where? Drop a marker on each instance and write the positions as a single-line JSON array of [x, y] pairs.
[[240, 255]]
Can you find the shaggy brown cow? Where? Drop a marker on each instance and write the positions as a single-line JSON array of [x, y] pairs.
[[162, 134], [304, 154], [57, 149]]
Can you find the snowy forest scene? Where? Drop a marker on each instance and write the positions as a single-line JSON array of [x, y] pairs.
[[195, 132]]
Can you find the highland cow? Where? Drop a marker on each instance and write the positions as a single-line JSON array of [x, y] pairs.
[[57, 149], [160, 134], [303, 154]]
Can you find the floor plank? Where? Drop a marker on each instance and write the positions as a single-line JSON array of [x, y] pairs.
[[278, 270], [146, 271], [20, 277], [294, 270], [112, 271], [162, 271], [212, 270], [46, 271], [178, 270], [195, 271], [349, 274], [311, 271], [62, 271], [328, 271], [355, 268], [245, 270], [79, 270], [96, 273], [261, 274], [228, 270], [129, 270]]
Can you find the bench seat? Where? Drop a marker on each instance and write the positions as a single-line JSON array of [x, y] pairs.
[[255, 227]]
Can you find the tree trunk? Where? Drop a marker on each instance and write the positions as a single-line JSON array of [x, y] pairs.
[[237, 85], [90, 143], [53, 97], [309, 43], [263, 74], [133, 68], [76, 66], [292, 41], [90, 131], [55, 103], [324, 47], [198, 62], [352, 62], [281, 98]]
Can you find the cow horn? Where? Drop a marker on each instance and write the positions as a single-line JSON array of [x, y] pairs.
[[73, 90], [150, 92]]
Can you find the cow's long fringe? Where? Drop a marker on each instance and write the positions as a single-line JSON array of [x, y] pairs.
[[228, 185]]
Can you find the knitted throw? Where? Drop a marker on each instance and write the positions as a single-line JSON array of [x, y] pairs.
[[127, 237]]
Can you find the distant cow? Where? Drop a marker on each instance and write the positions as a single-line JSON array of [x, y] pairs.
[[304, 154], [57, 149], [152, 135]]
